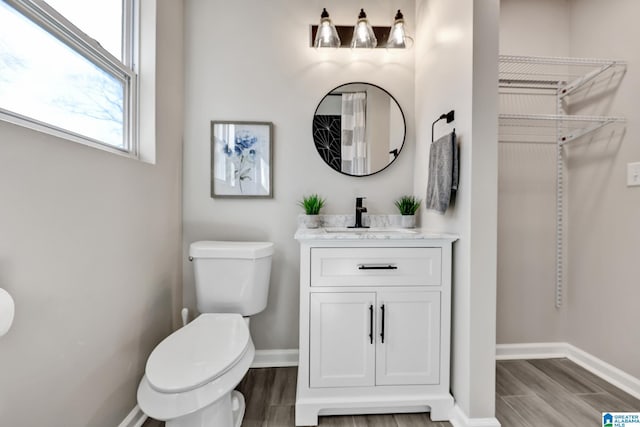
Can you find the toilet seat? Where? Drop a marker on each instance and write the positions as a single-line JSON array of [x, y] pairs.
[[198, 353], [168, 406]]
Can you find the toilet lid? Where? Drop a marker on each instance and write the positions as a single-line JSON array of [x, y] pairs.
[[198, 353]]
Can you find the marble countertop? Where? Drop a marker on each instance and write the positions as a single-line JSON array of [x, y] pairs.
[[382, 227], [375, 233]]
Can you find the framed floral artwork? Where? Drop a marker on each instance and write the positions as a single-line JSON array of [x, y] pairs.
[[241, 159]]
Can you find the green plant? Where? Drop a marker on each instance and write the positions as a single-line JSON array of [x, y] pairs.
[[312, 204], [408, 205]]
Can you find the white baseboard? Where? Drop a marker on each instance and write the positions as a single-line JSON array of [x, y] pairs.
[[460, 419], [135, 418], [604, 370], [599, 367], [542, 350], [275, 358]]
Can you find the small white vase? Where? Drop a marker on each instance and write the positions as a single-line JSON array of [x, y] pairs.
[[408, 221], [311, 221]]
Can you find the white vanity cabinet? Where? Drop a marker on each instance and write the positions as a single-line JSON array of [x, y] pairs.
[[374, 338], [374, 325]]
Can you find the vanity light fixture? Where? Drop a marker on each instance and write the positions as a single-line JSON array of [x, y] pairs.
[[397, 35], [363, 35], [326, 35]]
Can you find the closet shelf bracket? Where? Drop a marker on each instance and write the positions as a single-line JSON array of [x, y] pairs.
[[577, 133], [569, 88]]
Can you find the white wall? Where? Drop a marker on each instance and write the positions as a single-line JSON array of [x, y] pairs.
[[264, 70], [604, 236], [456, 68], [90, 251], [527, 185]]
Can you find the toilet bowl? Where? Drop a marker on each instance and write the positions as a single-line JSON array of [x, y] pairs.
[[190, 376]]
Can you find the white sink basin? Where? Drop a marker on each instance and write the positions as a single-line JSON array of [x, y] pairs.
[[376, 230]]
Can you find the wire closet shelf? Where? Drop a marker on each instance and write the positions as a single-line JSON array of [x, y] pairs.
[[544, 72], [560, 78], [550, 128]]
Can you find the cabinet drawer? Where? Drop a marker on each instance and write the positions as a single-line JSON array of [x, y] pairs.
[[375, 266]]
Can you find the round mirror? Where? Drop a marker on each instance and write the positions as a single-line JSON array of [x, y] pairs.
[[358, 129]]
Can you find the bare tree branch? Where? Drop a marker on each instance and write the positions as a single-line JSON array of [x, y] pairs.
[[10, 63], [102, 98]]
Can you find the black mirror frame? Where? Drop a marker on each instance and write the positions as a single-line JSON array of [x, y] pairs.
[[396, 152]]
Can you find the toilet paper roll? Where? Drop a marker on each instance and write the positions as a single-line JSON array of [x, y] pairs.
[[7, 310]]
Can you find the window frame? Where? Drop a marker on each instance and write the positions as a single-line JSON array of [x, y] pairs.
[[126, 71]]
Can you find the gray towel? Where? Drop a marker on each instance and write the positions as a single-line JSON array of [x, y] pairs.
[[443, 173], [456, 162]]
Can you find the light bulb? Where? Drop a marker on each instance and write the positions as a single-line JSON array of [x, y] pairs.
[[327, 35], [397, 35], [363, 36]]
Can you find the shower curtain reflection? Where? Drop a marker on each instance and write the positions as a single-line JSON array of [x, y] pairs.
[[353, 136]]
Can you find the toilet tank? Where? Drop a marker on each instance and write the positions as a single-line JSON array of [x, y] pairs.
[[231, 277]]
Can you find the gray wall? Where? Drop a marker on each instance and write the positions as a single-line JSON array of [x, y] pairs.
[[604, 236], [601, 291], [527, 186], [269, 73], [458, 42], [90, 250]]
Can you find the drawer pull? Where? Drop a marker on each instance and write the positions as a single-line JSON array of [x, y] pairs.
[[382, 332], [377, 267], [371, 323]]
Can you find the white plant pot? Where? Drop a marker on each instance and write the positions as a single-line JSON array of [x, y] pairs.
[[311, 221], [408, 221]]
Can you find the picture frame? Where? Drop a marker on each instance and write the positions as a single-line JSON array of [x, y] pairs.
[[241, 159]]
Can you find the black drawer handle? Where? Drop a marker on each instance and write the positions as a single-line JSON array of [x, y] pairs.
[[382, 332], [377, 267], [371, 323]]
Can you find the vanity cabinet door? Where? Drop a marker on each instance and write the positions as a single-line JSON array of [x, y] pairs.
[[342, 339], [410, 352]]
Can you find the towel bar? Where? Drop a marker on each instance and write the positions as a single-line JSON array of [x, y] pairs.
[[450, 116]]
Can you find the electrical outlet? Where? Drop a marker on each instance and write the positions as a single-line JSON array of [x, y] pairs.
[[633, 174]]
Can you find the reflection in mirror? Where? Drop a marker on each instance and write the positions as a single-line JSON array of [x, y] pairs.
[[358, 129]]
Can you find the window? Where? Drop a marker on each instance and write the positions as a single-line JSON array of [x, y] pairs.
[[66, 68]]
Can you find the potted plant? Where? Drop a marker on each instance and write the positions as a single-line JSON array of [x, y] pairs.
[[312, 205], [408, 205]]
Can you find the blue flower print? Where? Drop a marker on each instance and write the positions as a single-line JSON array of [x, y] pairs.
[[242, 154]]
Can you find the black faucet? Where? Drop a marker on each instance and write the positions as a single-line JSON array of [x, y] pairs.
[[359, 211]]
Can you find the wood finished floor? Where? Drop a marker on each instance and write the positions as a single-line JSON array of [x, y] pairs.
[[529, 393]]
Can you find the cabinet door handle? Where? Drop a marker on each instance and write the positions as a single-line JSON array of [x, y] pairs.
[[377, 267], [371, 323], [382, 329]]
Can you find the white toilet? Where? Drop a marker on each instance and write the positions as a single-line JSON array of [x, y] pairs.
[[190, 376]]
